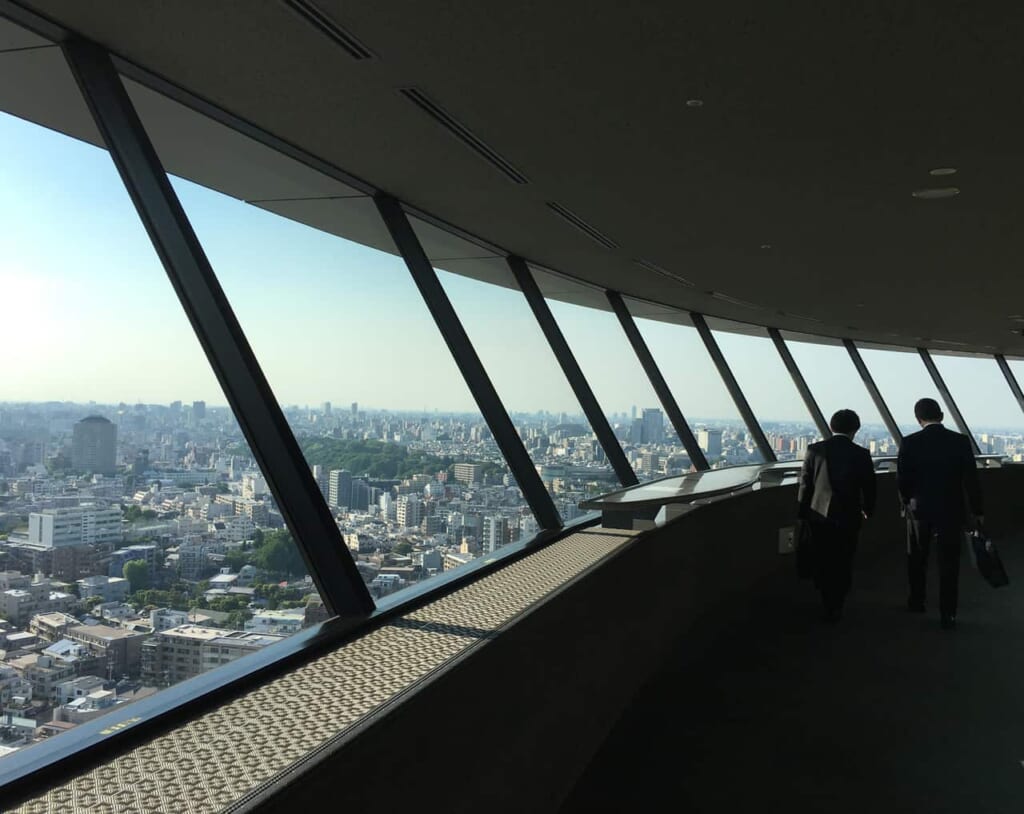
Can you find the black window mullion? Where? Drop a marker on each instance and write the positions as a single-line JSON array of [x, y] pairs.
[[733, 386], [661, 388], [260, 417], [573, 372], [801, 384], [468, 362], [1011, 380], [940, 384], [873, 391]]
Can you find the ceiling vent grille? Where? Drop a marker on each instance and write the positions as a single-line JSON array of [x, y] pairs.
[[800, 316], [329, 28], [575, 220], [664, 272], [718, 295], [463, 134]]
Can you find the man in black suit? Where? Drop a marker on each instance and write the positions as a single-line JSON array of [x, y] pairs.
[[837, 491], [935, 472]]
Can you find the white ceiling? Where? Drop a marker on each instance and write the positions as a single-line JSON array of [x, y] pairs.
[[787, 193]]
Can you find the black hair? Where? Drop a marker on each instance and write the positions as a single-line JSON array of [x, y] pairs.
[[845, 421], [927, 410]]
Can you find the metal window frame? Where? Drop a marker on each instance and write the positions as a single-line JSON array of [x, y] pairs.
[[947, 397], [801, 384], [246, 388], [733, 386], [1011, 379], [468, 362], [873, 391], [573, 372], [661, 388]]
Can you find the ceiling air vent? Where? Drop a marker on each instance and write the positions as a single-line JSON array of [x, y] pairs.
[[647, 264], [718, 295], [329, 28], [463, 134], [582, 225]]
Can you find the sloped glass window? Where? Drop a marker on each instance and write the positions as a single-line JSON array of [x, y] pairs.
[[524, 371], [979, 389], [768, 387], [836, 385], [699, 391], [902, 379], [393, 438], [134, 520]]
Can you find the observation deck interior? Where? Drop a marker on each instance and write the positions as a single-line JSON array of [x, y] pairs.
[[831, 187]]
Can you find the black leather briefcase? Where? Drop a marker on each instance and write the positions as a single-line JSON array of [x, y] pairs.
[[987, 560]]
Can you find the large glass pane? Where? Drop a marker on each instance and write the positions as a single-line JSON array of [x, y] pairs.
[[768, 387], [836, 385], [902, 379], [979, 389], [621, 388], [386, 422], [139, 545], [700, 392], [528, 379]]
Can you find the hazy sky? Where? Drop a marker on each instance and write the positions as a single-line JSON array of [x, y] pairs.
[[88, 314]]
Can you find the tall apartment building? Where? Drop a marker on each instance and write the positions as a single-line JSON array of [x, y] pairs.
[[710, 441], [495, 533], [94, 446], [339, 488], [652, 426], [77, 525], [468, 473], [409, 511]]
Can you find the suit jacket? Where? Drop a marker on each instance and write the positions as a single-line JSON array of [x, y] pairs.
[[935, 471], [837, 482]]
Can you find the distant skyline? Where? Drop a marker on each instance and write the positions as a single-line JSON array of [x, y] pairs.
[[91, 316]]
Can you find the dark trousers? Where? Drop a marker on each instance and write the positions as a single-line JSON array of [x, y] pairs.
[[948, 541], [834, 547]]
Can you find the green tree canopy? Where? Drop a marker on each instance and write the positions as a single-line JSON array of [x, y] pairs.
[[137, 574], [279, 555], [374, 458]]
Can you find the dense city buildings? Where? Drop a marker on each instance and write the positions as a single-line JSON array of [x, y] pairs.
[[175, 560]]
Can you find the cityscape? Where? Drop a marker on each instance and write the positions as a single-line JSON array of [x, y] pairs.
[[140, 545]]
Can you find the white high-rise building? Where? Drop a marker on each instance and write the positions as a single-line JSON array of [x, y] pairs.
[[76, 525], [711, 442], [409, 511]]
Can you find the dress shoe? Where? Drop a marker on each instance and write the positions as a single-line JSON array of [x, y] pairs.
[[948, 622]]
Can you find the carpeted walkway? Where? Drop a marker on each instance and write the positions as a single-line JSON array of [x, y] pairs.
[[884, 712]]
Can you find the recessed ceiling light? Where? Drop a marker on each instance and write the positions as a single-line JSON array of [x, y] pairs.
[[766, 245], [943, 171], [695, 103], [1016, 317], [938, 192]]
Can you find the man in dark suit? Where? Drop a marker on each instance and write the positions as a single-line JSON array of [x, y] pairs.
[[837, 492], [935, 472]]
